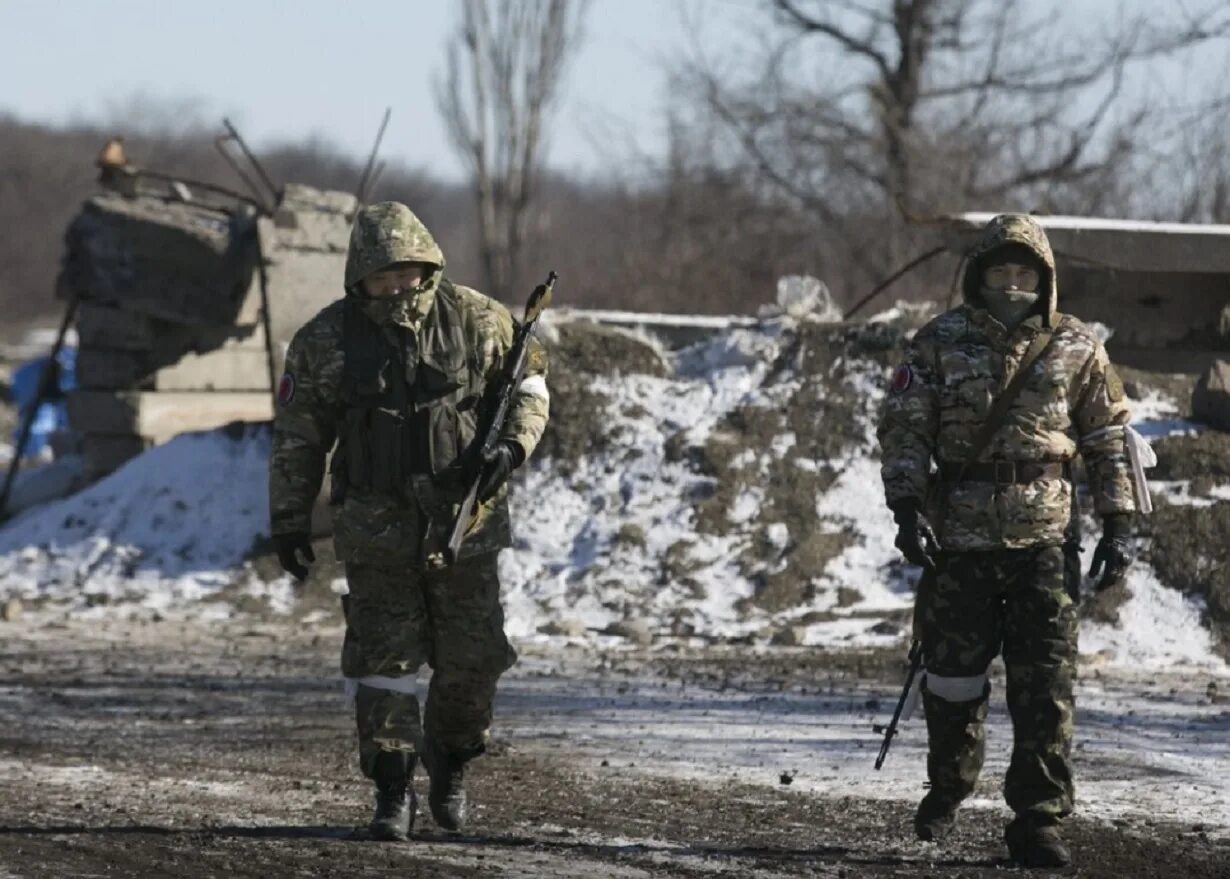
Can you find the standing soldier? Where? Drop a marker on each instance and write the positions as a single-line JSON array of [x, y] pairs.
[[396, 373], [999, 394]]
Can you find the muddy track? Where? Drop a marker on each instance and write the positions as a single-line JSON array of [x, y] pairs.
[[197, 751]]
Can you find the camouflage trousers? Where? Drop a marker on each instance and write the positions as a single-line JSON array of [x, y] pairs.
[[397, 620], [1023, 603]]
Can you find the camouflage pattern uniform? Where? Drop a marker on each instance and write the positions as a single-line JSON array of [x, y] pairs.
[[398, 384], [1008, 575]]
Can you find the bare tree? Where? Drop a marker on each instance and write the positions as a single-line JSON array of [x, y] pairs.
[[929, 106], [504, 73]]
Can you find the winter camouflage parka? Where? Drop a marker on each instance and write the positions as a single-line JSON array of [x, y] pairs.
[[1073, 402], [396, 388]]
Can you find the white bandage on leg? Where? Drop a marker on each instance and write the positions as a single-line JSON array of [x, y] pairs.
[[956, 689], [407, 684]]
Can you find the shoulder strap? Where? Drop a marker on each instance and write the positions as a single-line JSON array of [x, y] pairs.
[[1002, 403]]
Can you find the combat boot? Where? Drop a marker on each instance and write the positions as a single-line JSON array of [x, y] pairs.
[[447, 794], [935, 816], [1032, 844], [395, 799]]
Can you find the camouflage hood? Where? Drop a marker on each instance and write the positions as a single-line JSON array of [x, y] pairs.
[[385, 233], [1004, 230]]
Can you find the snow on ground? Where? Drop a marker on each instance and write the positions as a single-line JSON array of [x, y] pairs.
[[1144, 748], [166, 530], [1155, 415], [615, 540]]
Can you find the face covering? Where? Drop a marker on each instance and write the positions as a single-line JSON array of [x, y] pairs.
[[405, 307], [1009, 305]]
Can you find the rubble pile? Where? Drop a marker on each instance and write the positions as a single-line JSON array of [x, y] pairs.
[[173, 334]]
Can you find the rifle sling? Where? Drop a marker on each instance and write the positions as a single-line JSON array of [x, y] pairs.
[[1002, 403]]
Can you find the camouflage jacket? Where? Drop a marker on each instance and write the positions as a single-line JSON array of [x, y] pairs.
[[1072, 402], [396, 528]]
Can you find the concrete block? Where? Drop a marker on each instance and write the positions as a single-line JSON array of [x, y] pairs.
[[186, 263], [300, 284], [226, 369], [177, 351], [107, 368], [106, 453], [101, 326], [159, 415], [298, 197], [311, 230], [1211, 398]]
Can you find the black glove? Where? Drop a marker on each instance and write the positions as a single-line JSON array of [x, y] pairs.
[[1114, 552], [915, 538], [288, 546], [497, 467]]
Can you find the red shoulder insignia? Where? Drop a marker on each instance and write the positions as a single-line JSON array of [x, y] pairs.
[[286, 388], [903, 379]]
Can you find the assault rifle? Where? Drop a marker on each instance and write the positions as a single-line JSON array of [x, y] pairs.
[[915, 661], [910, 693], [502, 393]]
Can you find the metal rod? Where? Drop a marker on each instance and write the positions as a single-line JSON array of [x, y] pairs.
[[360, 192], [917, 261], [258, 198], [371, 183], [266, 319], [27, 424], [273, 191]]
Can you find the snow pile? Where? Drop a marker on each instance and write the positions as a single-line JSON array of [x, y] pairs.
[[166, 530]]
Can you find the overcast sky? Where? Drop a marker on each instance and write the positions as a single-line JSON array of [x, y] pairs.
[[286, 70]]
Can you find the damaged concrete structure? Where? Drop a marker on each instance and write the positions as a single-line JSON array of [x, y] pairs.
[[1164, 288], [187, 301]]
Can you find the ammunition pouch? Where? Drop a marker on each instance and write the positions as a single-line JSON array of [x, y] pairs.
[[409, 410]]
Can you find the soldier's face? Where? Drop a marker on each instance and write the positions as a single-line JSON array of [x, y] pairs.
[[1011, 276], [395, 279]]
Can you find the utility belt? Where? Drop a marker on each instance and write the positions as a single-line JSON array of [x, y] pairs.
[[1002, 472]]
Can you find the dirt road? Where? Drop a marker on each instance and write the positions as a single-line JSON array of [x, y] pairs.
[[200, 750]]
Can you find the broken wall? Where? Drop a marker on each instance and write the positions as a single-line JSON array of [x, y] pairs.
[[171, 321]]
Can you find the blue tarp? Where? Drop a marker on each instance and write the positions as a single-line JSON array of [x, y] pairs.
[[52, 415]]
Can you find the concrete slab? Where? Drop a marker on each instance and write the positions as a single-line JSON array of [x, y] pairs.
[[104, 453], [159, 415], [227, 369], [102, 326]]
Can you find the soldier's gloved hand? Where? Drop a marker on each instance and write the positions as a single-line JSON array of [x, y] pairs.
[[288, 547], [1114, 552], [506, 457], [915, 538]]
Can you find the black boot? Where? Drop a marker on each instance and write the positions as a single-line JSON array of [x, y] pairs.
[[935, 816], [447, 795], [1036, 844], [395, 800]]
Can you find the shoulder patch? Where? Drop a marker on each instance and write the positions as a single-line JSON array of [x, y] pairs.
[[903, 378], [286, 388], [1114, 385]]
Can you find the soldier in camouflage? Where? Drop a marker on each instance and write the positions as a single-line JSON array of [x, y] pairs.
[[392, 379], [1008, 575]]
